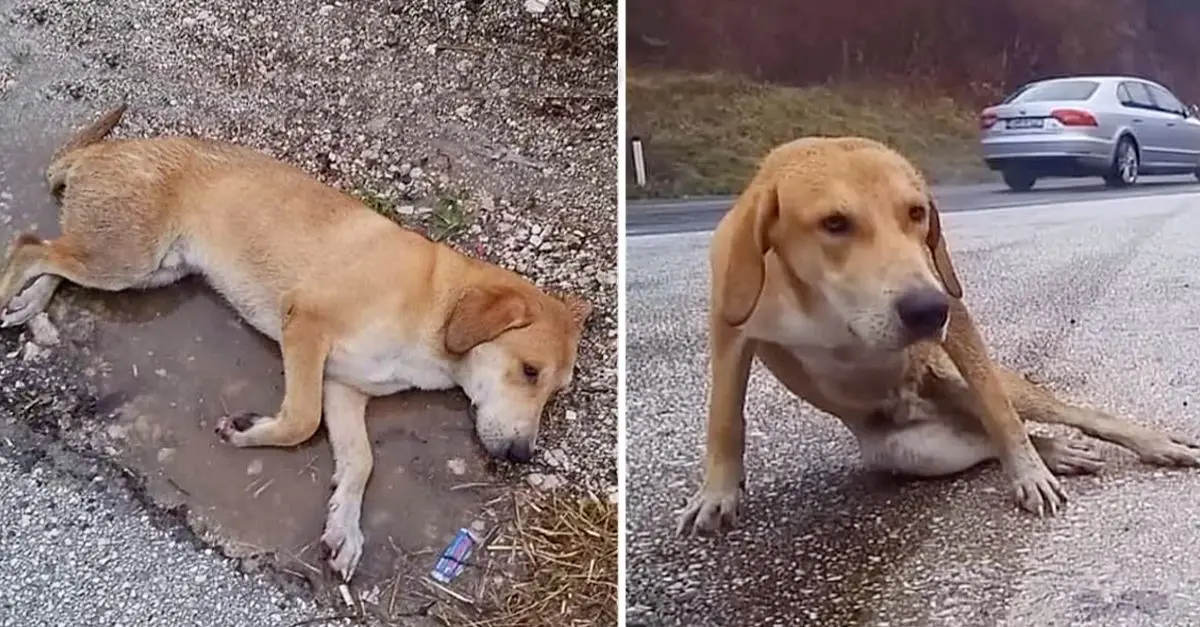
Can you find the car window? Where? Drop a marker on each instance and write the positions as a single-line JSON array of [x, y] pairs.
[[1054, 90], [1123, 95], [1164, 99], [1139, 96]]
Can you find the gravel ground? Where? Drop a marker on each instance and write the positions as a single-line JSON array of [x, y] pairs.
[[489, 125]]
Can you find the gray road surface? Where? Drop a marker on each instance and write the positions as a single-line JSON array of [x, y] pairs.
[[77, 549], [648, 217], [1097, 298]]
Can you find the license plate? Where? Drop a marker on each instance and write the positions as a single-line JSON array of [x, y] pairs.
[[1025, 123]]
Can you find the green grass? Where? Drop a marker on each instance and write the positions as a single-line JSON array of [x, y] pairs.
[[377, 202], [450, 216], [705, 133]]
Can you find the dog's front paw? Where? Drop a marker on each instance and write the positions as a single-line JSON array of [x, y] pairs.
[[232, 429], [712, 510], [343, 540], [1037, 490]]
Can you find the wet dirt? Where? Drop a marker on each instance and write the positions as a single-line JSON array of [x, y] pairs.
[[167, 363]]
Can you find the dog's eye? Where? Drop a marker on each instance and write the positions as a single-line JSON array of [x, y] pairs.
[[917, 213], [836, 224], [530, 372]]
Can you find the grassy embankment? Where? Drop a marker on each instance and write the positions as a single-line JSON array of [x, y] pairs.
[[704, 134]]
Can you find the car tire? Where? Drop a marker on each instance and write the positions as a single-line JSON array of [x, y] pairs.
[[1125, 165], [1019, 180]]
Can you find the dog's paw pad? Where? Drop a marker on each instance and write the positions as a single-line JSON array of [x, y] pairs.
[[1039, 492], [343, 542], [710, 512], [229, 426], [1173, 451]]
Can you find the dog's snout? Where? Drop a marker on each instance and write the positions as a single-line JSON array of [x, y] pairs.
[[923, 311], [520, 452]]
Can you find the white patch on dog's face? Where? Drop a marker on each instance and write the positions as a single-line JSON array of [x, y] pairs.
[[869, 309], [509, 381]]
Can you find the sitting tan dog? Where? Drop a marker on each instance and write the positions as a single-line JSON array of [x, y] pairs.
[[832, 270], [359, 306]]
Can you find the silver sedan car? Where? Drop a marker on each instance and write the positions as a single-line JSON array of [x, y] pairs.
[[1115, 127]]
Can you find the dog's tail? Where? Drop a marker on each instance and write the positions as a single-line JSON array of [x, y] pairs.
[[94, 133]]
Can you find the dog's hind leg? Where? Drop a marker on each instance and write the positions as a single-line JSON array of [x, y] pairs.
[[110, 266], [30, 302], [305, 347], [1151, 446], [933, 448]]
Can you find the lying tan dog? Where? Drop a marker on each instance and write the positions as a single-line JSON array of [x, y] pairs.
[[359, 306], [833, 271]]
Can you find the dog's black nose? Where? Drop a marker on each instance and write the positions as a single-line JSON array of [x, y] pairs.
[[923, 311], [520, 452]]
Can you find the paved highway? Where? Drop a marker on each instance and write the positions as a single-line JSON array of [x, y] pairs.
[[649, 217], [1096, 294]]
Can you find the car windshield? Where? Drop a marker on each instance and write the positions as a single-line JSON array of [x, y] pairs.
[[1054, 90]]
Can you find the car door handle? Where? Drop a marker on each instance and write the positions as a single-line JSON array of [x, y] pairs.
[[1170, 124], [1137, 120]]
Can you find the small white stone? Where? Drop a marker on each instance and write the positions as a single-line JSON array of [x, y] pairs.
[[457, 466], [255, 467]]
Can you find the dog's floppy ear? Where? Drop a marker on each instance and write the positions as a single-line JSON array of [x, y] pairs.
[[482, 313], [941, 256], [739, 282]]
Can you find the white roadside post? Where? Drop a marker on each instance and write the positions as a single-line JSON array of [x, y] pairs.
[[639, 162]]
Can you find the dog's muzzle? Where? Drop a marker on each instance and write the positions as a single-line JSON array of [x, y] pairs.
[[517, 451]]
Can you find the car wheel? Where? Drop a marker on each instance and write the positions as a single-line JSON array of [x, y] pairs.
[[1019, 180], [1125, 164]]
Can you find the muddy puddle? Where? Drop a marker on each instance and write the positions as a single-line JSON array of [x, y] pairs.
[[168, 363]]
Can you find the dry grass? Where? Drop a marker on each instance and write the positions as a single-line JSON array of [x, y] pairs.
[[562, 550], [704, 133]]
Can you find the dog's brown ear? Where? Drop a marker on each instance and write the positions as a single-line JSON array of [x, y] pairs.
[[739, 281], [482, 314], [941, 256]]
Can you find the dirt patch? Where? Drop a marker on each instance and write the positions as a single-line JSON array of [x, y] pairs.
[[483, 125], [704, 134]]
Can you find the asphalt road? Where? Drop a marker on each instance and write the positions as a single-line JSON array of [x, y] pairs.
[[1097, 298], [648, 217]]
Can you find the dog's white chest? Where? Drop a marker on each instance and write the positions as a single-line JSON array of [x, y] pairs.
[[385, 368], [861, 381]]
